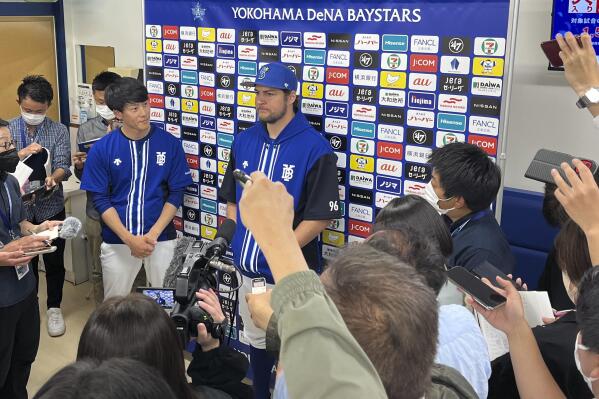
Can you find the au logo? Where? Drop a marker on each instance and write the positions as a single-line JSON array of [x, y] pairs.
[[312, 90], [361, 163], [154, 45], [487, 66], [393, 80]]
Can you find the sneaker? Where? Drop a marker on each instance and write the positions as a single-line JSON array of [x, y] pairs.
[[56, 325]]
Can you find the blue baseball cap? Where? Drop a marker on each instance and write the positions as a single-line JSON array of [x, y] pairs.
[[275, 75]]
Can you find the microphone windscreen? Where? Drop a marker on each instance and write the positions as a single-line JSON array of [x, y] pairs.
[[226, 230], [69, 228]]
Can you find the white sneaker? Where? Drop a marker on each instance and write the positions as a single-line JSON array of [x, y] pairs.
[[56, 325]]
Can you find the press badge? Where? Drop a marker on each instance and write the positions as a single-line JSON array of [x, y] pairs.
[[22, 271]]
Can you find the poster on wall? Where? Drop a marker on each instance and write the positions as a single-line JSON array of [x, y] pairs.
[[384, 82], [576, 16]]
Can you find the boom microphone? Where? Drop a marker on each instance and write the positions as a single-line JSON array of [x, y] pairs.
[[69, 228]]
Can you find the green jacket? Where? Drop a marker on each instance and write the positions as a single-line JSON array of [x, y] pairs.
[[320, 357]]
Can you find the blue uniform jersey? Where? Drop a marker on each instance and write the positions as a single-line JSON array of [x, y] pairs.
[[303, 161], [136, 177]]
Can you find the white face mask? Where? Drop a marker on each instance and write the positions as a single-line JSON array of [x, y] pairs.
[[582, 347], [32, 119], [105, 112], [431, 197]]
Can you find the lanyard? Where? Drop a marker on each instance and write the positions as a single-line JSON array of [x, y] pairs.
[[478, 215], [23, 129], [6, 219]]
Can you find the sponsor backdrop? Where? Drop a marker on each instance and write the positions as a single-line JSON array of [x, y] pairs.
[[384, 82]]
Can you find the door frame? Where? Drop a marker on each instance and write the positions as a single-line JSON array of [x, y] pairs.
[[56, 10]]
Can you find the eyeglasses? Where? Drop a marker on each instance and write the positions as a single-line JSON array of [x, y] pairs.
[[7, 145]]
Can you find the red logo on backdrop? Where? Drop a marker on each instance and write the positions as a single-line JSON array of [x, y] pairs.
[[170, 32], [389, 150], [156, 100], [178, 222], [207, 94], [220, 220], [488, 144], [338, 75], [192, 161], [360, 229], [423, 63]]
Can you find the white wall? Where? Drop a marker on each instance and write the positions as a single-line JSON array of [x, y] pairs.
[[115, 23], [543, 113]]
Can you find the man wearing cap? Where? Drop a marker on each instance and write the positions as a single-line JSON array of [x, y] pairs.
[[289, 150]]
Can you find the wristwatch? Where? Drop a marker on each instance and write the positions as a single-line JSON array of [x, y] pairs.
[[591, 97]]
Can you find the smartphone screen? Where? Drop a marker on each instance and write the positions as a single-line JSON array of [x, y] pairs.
[[480, 292], [165, 297]]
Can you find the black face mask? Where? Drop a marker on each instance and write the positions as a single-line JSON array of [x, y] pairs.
[[9, 161]]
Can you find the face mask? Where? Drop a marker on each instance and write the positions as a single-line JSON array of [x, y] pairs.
[[32, 119], [431, 197], [582, 347], [105, 112], [9, 161]]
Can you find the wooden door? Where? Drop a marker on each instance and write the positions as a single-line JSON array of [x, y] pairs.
[[28, 47]]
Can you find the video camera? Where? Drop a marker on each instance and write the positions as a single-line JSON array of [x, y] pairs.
[[202, 260]]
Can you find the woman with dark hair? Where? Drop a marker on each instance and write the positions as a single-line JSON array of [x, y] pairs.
[[110, 379], [421, 239], [557, 339], [415, 212], [136, 327]]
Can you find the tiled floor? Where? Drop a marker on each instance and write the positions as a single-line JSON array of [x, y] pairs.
[[55, 353]]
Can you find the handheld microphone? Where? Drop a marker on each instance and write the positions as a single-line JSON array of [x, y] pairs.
[[69, 228]]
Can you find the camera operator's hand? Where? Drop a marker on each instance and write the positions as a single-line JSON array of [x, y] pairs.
[[208, 301], [580, 63], [139, 246], [580, 198], [260, 309], [267, 211]]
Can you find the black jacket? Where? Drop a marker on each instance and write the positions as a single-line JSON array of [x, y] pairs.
[[221, 369], [556, 342]]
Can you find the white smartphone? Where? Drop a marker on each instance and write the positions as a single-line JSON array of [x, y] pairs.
[[258, 285], [41, 251]]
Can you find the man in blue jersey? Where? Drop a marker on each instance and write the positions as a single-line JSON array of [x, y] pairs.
[[289, 150], [137, 175]]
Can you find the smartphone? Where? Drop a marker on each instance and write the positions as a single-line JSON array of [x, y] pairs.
[[546, 160], [241, 177], [551, 50], [490, 272], [41, 251], [165, 297], [473, 286], [258, 285]]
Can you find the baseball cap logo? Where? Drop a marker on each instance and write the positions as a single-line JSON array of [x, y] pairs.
[[263, 71]]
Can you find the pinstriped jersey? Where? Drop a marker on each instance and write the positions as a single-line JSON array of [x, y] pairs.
[[303, 161], [138, 176]]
